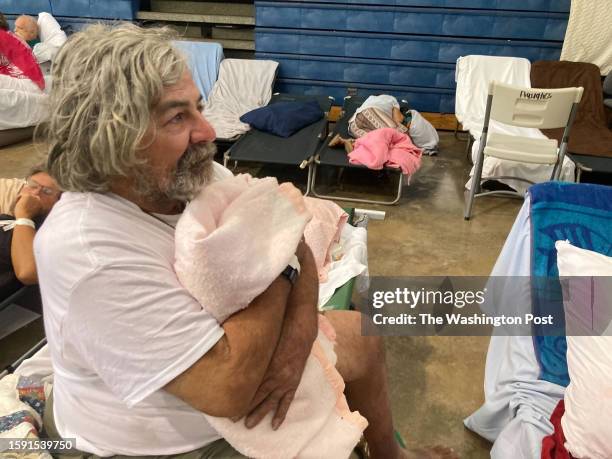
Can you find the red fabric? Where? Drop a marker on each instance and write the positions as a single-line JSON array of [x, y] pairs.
[[18, 59], [386, 147], [553, 446]]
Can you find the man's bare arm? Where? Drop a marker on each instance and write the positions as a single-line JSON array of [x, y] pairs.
[[299, 331], [224, 381]]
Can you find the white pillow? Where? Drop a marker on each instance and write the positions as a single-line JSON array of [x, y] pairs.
[[587, 422]]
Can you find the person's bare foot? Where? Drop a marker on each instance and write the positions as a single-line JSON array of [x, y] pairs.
[[335, 141], [435, 452], [349, 145]]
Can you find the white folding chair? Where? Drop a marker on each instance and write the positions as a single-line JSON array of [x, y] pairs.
[[524, 107]]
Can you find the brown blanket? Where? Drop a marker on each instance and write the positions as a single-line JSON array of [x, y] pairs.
[[590, 134]]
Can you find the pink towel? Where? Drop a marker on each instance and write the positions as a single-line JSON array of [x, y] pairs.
[[323, 230], [388, 147], [232, 241]]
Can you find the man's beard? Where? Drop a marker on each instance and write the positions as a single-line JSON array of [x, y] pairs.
[[184, 182]]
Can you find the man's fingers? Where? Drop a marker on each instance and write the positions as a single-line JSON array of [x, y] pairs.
[[282, 409], [260, 412], [262, 393]]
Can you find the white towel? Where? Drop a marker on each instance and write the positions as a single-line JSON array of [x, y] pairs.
[[588, 37], [243, 85]]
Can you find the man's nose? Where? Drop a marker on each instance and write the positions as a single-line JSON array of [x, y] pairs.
[[202, 131]]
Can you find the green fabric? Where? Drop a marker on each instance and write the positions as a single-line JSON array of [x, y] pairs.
[[341, 299]]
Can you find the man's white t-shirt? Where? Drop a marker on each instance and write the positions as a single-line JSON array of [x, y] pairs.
[[120, 327]]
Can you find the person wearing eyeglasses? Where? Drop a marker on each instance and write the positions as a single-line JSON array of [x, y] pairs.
[[24, 204]]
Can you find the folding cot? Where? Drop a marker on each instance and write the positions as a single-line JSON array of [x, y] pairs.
[[336, 157], [296, 150], [27, 297], [243, 85], [33, 350]]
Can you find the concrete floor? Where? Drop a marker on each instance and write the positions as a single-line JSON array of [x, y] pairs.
[[435, 381]]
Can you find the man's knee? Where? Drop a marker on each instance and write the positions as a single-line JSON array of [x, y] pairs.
[[357, 354]]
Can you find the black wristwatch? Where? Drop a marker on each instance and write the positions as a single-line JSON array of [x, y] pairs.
[[291, 274], [292, 271]]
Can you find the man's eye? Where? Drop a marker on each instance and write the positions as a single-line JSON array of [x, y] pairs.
[[177, 118], [200, 107]]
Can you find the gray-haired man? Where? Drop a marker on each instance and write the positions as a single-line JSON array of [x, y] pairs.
[[137, 361]]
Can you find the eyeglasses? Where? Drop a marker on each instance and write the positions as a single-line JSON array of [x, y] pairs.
[[34, 185]]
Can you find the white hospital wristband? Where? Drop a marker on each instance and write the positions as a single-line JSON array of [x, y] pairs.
[[25, 222]]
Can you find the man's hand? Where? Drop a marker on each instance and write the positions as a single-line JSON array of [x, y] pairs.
[[280, 381], [300, 329], [28, 206]]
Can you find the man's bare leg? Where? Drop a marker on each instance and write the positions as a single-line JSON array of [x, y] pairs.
[[361, 362]]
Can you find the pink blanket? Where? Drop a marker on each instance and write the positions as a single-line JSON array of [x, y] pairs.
[[386, 147], [232, 241], [322, 231]]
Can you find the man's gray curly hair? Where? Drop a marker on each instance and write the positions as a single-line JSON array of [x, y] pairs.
[[106, 83]]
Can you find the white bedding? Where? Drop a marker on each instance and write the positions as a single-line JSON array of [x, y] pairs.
[[52, 38], [517, 408], [243, 85], [473, 75], [589, 34], [354, 262], [22, 103]]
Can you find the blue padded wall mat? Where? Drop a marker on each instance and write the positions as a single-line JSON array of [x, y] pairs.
[[375, 71], [31, 7], [396, 46], [68, 25], [422, 99], [106, 9], [72, 25], [429, 21], [561, 6], [406, 47]]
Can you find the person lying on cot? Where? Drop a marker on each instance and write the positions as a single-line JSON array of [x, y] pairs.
[[138, 362], [17, 60], [377, 112], [24, 204], [26, 28]]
